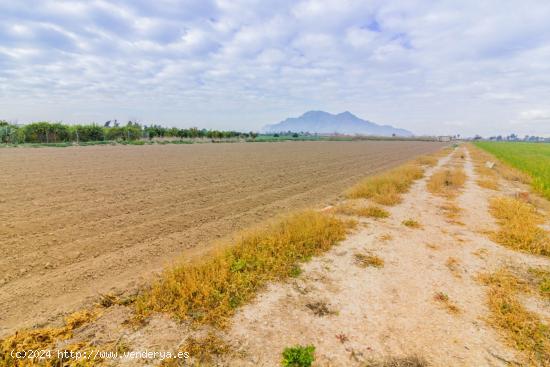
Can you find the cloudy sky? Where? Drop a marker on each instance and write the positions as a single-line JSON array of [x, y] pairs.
[[432, 67]]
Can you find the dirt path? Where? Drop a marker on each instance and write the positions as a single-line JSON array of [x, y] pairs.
[[80, 221], [353, 314]]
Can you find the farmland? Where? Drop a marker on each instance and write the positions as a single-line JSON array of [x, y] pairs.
[[532, 158], [82, 221]]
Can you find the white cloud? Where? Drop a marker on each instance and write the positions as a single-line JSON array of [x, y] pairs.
[[420, 65], [535, 115]]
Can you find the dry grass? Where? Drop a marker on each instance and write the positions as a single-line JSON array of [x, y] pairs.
[[519, 226], [433, 246], [452, 212], [365, 260], [446, 182], [408, 361], [453, 265], [371, 211], [386, 237], [444, 300], [47, 338], [386, 188], [540, 281], [210, 290], [427, 160], [481, 253], [488, 183], [203, 349], [320, 308], [411, 223], [522, 328]]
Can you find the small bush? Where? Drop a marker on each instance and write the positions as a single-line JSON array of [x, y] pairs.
[[298, 356]]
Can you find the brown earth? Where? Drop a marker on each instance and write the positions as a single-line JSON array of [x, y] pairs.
[[82, 221]]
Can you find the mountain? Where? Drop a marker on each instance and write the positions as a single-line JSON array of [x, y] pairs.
[[326, 123]]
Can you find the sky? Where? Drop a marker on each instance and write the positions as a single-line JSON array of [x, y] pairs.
[[432, 67]]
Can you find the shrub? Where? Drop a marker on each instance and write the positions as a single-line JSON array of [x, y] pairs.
[[298, 356]]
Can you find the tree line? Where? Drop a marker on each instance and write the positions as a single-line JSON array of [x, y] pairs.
[[48, 132]]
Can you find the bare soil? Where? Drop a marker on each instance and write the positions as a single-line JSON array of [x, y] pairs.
[[82, 221]]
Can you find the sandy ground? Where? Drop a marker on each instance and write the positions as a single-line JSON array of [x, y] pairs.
[[81, 221]]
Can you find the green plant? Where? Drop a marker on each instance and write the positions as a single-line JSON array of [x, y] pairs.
[[298, 356], [530, 158], [295, 271]]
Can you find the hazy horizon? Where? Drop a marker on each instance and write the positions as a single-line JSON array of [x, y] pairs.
[[429, 67]]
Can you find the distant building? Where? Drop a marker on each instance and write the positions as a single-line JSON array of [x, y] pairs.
[[444, 138]]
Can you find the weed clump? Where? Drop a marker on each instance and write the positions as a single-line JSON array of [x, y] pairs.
[[411, 223], [408, 361], [447, 182], [445, 301], [427, 160], [454, 266], [488, 183], [452, 212], [519, 226], [298, 356], [319, 308], [541, 281], [386, 188], [204, 349], [523, 329], [210, 290], [368, 260]]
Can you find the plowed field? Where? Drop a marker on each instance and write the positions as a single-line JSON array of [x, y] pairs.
[[82, 221]]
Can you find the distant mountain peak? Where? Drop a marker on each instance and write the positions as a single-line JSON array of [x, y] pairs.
[[315, 114], [326, 123]]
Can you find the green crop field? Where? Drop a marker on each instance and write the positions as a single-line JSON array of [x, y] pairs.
[[532, 158]]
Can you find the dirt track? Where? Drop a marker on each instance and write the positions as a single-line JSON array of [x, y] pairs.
[[81, 221]]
